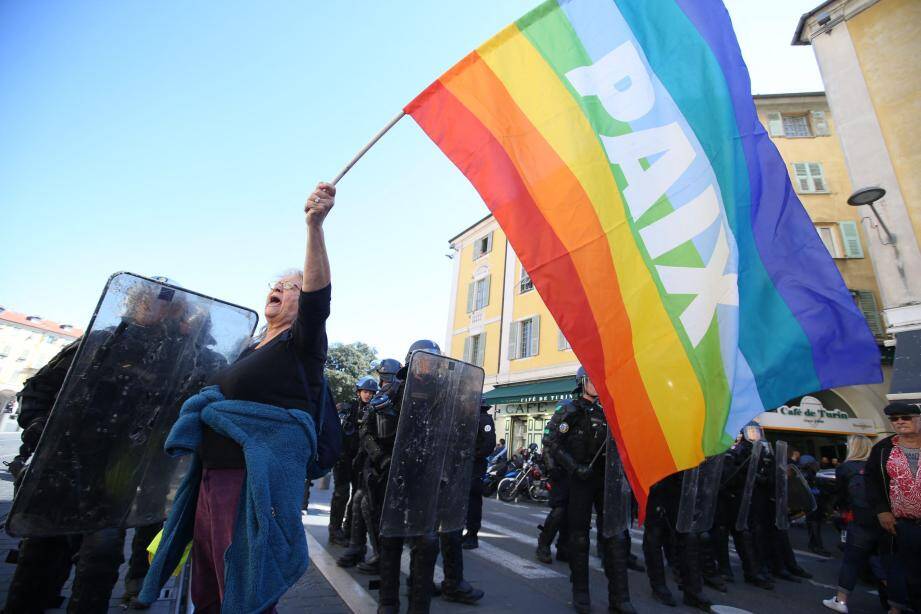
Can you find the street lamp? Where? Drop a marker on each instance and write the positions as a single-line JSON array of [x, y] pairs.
[[868, 196]]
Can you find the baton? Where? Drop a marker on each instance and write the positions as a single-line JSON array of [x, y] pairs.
[[597, 454]]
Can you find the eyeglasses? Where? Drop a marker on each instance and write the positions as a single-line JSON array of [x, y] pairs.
[[283, 285], [901, 418]]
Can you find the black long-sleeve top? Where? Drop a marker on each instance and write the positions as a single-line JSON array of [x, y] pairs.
[[275, 374]]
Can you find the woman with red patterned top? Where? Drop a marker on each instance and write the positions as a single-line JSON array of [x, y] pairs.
[[893, 476]]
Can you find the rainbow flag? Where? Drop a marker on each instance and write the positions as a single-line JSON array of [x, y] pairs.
[[616, 142]]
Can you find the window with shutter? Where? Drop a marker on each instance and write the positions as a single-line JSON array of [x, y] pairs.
[[524, 283], [819, 125], [775, 124], [479, 356], [514, 330], [482, 246], [827, 234], [866, 302], [562, 343], [468, 344], [810, 177], [851, 237], [481, 293], [817, 176], [535, 336], [795, 126], [524, 342]]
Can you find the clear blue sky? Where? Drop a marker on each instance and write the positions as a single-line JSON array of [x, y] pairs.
[[180, 139]]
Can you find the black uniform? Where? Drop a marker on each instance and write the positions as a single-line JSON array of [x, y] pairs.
[[735, 469], [575, 438], [344, 479], [365, 523], [377, 438], [485, 444], [44, 563]]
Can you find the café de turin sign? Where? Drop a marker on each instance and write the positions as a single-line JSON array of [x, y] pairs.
[[811, 415]]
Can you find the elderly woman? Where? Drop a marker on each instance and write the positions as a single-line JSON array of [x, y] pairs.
[[249, 403]]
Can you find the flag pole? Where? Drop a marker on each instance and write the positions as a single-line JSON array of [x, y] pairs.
[[368, 146]]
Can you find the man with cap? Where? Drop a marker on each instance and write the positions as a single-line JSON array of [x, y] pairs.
[[893, 478], [485, 444], [343, 478]]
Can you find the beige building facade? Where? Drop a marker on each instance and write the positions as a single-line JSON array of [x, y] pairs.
[[868, 51]]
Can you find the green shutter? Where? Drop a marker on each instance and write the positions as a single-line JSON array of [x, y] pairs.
[[819, 125], [488, 243], [486, 283], [852, 246], [471, 295], [775, 124], [513, 332], [480, 357], [866, 302], [467, 349]]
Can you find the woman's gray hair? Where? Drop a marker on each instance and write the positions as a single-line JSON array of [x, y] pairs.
[[260, 334]]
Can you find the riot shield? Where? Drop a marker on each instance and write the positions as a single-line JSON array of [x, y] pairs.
[[618, 498], [100, 461], [799, 494], [754, 460], [699, 490], [781, 504], [429, 479]]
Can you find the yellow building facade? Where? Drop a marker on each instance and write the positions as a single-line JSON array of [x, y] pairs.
[[499, 321]]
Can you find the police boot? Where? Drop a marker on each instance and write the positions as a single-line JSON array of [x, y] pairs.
[[100, 556], [371, 567], [708, 563], [616, 551], [471, 541], [42, 568], [745, 546], [388, 601], [691, 573], [655, 566], [423, 553], [578, 569], [548, 532], [454, 587]]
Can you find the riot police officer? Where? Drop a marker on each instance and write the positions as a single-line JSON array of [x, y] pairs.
[[743, 491], [343, 478], [377, 437], [365, 525], [485, 444], [576, 437]]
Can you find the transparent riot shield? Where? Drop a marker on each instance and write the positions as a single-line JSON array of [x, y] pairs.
[[429, 479], [781, 473], [799, 495], [750, 477], [699, 490], [100, 461], [618, 498]]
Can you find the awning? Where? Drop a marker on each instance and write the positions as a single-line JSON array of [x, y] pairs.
[[538, 391]]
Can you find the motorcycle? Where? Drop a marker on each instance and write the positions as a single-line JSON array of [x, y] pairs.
[[494, 474], [528, 481]]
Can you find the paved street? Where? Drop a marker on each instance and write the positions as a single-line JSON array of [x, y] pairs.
[[503, 566]]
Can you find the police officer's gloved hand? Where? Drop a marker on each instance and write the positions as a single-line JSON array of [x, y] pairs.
[[583, 472]]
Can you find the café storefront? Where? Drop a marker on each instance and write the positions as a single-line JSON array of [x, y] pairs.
[[816, 424], [522, 409]]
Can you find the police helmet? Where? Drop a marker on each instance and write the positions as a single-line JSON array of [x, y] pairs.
[[752, 432], [387, 369], [367, 383], [423, 344], [484, 403]]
